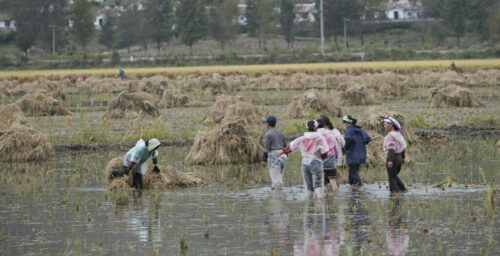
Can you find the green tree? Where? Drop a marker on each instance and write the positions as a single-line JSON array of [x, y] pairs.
[[222, 21], [27, 21], [494, 24], [191, 21], [107, 36], [56, 14], [251, 12], [334, 13], [83, 22], [480, 13], [287, 19], [433, 8], [160, 20], [260, 20], [128, 29], [370, 10], [437, 33], [455, 14]]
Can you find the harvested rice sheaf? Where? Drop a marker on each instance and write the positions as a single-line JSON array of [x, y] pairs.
[[372, 123], [230, 143], [168, 177], [453, 96], [38, 103], [10, 114], [313, 100], [173, 98], [136, 103], [22, 142], [355, 96], [228, 107]]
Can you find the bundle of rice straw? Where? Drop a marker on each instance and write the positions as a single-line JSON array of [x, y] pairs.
[[228, 107], [22, 142], [174, 98], [453, 96], [10, 114], [312, 101], [372, 123], [154, 85], [168, 177], [136, 103], [38, 103], [484, 78], [230, 143], [451, 77], [355, 96]]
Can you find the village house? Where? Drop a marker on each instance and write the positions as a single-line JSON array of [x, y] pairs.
[[6, 23]]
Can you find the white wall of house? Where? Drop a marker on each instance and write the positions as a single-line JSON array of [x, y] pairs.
[[400, 13], [99, 20], [6, 24]]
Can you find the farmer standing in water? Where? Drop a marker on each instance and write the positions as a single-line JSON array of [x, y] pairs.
[[135, 161], [314, 149], [355, 148], [274, 142], [394, 147], [334, 157]]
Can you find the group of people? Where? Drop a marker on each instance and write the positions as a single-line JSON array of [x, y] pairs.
[[322, 148]]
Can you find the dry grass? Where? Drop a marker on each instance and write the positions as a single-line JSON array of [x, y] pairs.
[[380, 65], [10, 114], [228, 107], [20, 143], [132, 104], [38, 103], [168, 177], [453, 96], [230, 143], [314, 101], [372, 123]]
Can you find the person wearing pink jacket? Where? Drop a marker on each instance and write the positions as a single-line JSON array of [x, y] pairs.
[[394, 146], [314, 149], [334, 156]]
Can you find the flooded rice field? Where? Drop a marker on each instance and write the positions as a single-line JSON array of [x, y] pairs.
[[57, 201], [63, 207]]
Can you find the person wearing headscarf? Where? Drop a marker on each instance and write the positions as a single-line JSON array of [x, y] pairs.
[[334, 157], [136, 161], [394, 146], [314, 149], [355, 148]]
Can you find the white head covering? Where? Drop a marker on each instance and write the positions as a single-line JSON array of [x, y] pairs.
[[394, 123]]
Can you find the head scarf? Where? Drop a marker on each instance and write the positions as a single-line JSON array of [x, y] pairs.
[[394, 123], [315, 124]]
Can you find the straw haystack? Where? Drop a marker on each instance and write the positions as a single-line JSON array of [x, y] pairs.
[[229, 107], [4, 99], [372, 123], [314, 101], [168, 177], [453, 96], [172, 98], [498, 144], [10, 114], [355, 96], [484, 78], [20, 143], [136, 103], [38, 103], [229, 143]]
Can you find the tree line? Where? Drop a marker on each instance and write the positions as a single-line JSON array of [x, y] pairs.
[[158, 21]]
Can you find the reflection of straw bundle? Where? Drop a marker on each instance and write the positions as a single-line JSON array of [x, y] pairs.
[[229, 143], [453, 96], [23, 143]]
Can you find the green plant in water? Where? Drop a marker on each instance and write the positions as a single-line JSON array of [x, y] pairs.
[[488, 120], [183, 245], [419, 122], [121, 198]]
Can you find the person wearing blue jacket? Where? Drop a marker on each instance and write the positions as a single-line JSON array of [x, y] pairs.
[[355, 148]]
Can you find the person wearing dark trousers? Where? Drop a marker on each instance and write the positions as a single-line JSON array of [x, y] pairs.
[[394, 146], [354, 148]]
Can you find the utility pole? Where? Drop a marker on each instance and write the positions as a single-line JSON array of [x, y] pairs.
[[53, 27], [345, 32], [322, 28]]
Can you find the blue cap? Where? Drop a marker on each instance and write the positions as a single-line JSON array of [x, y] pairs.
[[271, 120]]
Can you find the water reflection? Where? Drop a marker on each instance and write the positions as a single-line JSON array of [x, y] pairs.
[[323, 229], [397, 232], [278, 221], [144, 219]]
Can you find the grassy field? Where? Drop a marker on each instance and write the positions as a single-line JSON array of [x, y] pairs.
[[392, 65]]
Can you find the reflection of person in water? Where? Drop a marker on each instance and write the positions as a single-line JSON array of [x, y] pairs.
[[358, 218], [397, 233], [322, 234], [278, 220], [144, 220]]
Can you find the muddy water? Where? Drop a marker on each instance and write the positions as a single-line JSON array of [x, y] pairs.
[[64, 208]]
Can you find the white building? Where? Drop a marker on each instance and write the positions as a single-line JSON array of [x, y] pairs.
[[6, 23], [397, 12]]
